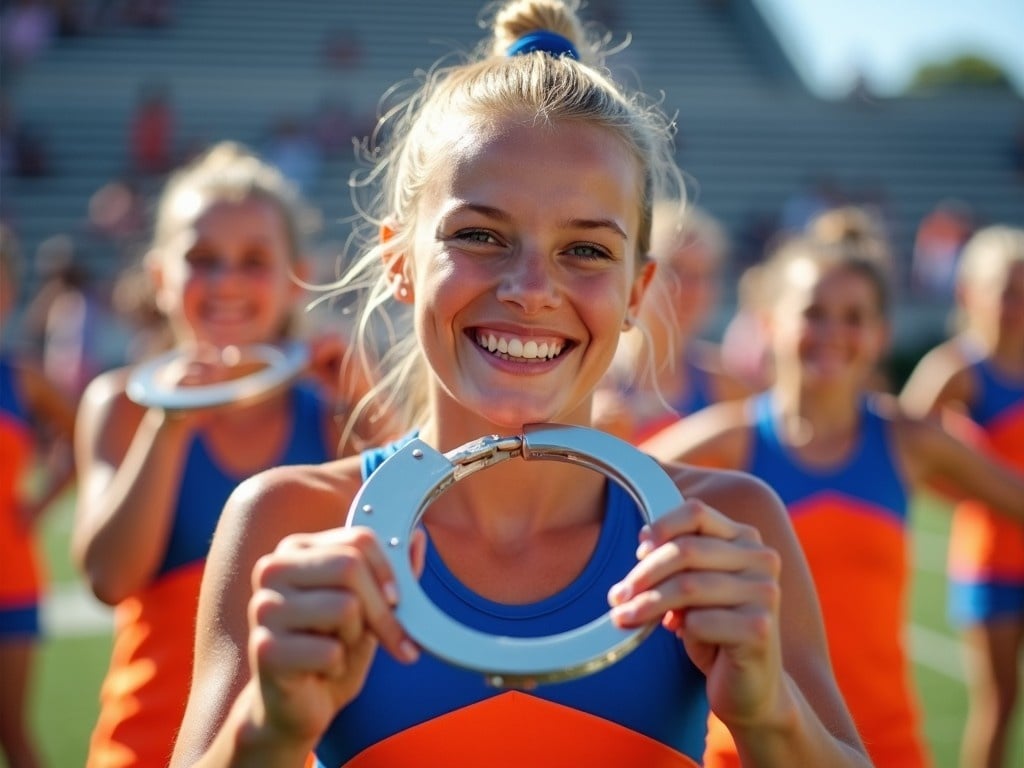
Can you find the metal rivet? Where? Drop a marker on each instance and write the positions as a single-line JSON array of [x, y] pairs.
[[394, 541], [417, 453], [367, 509]]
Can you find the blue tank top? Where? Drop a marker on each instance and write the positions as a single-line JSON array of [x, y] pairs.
[[654, 693], [11, 400], [869, 474], [698, 394], [205, 487], [996, 394]]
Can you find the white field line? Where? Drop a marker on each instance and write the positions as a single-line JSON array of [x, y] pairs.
[[70, 610], [935, 651]]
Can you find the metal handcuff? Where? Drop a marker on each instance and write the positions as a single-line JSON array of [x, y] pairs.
[[150, 384], [394, 498]]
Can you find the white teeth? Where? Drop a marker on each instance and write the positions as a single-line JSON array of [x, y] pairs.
[[528, 350]]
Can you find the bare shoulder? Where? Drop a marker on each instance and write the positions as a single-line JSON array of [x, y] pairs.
[[718, 434], [280, 501], [942, 375], [736, 494]]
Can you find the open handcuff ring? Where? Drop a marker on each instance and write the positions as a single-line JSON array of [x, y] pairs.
[[392, 502]]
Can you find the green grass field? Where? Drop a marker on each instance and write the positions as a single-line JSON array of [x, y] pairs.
[[71, 666]]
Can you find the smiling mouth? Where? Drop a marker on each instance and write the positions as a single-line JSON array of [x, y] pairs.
[[514, 348]]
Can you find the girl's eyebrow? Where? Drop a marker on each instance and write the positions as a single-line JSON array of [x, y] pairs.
[[497, 213], [597, 224]]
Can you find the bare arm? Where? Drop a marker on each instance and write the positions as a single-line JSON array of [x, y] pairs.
[[934, 456], [279, 654], [130, 462], [717, 436], [51, 407]]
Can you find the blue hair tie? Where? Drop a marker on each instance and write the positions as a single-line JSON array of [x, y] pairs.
[[546, 42]]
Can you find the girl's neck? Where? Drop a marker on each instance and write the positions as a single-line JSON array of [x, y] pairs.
[[515, 499], [1008, 355], [809, 412]]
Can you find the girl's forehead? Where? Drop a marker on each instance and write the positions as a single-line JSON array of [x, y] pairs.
[[563, 160]]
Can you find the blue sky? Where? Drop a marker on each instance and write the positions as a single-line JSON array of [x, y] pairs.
[[888, 39]]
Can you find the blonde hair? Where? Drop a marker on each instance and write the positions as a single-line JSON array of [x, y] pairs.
[[990, 252], [859, 257], [229, 171], [415, 135]]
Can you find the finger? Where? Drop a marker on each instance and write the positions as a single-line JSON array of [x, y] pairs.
[[349, 559], [696, 554], [697, 590], [696, 517], [314, 611], [716, 626]]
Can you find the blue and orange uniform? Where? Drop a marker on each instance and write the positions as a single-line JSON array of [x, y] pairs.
[[649, 709], [851, 520], [146, 688], [21, 572], [986, 549]]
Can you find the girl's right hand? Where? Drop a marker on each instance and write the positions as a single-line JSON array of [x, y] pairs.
[[201, 366], [321, 604]]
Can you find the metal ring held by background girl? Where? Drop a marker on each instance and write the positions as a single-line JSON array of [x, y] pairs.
[[397, 494], [149, 385]]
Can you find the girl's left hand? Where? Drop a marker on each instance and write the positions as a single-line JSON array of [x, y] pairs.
[[712, 582]]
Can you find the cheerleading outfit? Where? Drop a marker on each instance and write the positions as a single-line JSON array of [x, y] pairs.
[[22, 579], [986, 549], [146, 688], [851, 520], [650, 708]]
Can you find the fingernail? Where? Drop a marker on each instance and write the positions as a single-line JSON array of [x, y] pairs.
[[645, 533], [390, 593], [623, 614], [645, 548], [619, 593], [409, 651]]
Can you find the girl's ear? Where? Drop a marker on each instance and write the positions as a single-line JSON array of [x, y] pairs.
[[636, 292], [154, 267], [395, 264]]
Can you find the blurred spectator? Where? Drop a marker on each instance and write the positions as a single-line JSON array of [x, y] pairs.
[[292, 149], [744, 347], [23, 150], [29, 407], [1017, 152], [816, 195], [147, 13], [151, 132], [342, 49], [333, 127], [67, 319], [27, 28], [940, 238], [117, 215]]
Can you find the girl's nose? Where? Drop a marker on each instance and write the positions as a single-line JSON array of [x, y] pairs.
[[530, 282]]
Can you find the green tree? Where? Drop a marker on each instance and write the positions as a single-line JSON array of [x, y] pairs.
[[963, 71]]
